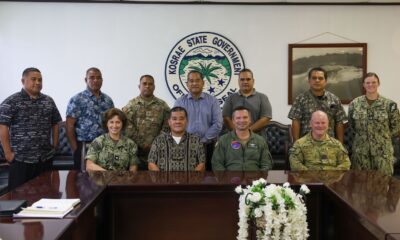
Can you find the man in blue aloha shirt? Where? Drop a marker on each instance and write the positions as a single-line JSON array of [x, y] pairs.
[[84, 114]]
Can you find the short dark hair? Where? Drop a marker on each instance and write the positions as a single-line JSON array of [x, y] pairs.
[[144, 76], [318, 69], [240, 108], [371, 74], [195, 71], [28, 70], [247, 70], [112, 112], [94, 69], [178, 109]]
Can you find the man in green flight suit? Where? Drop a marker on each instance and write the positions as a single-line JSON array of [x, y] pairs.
[[241, 149], [317, 150]]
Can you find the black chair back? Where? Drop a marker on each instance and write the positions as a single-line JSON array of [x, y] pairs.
[[279, 139], [63, 159]]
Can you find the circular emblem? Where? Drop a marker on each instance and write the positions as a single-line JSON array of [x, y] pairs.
[[212, 54], [235, 145]]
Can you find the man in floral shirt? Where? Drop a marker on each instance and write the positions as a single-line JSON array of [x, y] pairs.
[[177, 150], [84, 113], [317, 98]]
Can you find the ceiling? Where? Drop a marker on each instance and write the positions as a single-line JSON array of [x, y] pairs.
[[266, 2]]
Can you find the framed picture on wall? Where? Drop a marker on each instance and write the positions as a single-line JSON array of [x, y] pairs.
[[346, 64]]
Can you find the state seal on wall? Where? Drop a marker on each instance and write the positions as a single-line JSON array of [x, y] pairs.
[[212, 54]]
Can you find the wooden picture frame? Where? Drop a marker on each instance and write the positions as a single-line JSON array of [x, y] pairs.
[[346, 64]]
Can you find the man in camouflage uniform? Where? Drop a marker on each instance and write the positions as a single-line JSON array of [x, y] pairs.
[[147, 117], [177, 150], [317, 150], [317, 98], [375, 120]]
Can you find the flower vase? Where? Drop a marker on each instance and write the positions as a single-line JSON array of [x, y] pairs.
[[271, 212]]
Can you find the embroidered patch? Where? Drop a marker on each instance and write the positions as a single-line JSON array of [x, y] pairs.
[[252, 145], [235, 145]]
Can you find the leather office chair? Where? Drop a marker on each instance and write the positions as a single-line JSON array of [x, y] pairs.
[[279, 139], [63, 159]]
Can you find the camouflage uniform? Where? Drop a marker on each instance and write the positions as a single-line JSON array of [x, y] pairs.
[[310, 154], [374, 126], [111, 155], [146, 119], [306, 103]]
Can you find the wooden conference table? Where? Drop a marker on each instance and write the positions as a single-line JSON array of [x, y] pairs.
[[180, 205], [35, 229]]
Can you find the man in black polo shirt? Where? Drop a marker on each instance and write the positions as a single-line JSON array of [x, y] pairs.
[[28, 122]]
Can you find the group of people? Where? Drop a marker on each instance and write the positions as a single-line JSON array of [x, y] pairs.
[[319, 117], [147, 135]]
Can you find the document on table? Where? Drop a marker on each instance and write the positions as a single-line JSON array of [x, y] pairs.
[[48, 208]]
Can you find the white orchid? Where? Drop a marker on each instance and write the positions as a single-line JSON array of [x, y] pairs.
[[255, 182], [258, 212], [255, 197], [304, 189], [239, 189], [262, 181], [278, 208]]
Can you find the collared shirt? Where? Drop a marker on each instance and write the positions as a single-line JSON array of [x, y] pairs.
[[30, 123], [310, 154], [257, 103], [111, 155], [306, 103], [146, 119], [171, 156], [87, 109], [204, 115], [233, 155], [374, 125]]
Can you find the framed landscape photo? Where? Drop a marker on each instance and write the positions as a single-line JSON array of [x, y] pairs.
[[346, 64]]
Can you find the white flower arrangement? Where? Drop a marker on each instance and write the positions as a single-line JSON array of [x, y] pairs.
[[277, 212]]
